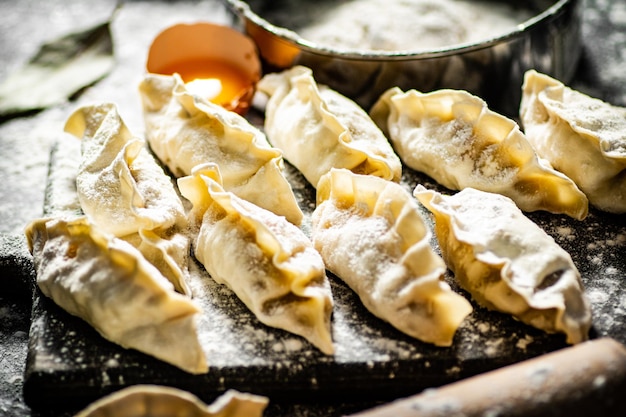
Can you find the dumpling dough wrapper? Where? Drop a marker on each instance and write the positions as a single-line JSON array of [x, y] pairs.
[[507, 262], [157, 400], [107, 282], [318, 129], [266, 261], [581, 136], [124, 191], [454, 138], [372, 236]]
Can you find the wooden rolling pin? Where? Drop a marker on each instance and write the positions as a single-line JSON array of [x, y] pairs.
[[588, 379]]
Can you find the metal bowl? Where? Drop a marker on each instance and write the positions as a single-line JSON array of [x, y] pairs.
[[492, 69]]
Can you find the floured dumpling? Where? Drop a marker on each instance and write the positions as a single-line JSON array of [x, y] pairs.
[[507, 262], [109, 284], [162, 401], [319, 129], [372, 236], [581, 136], [124, 191], [268, 262], [185, 130], [454, 138]]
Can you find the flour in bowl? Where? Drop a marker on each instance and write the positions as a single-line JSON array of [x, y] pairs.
[[381, 25]]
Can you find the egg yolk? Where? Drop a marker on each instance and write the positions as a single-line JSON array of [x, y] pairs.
[[219, 82]]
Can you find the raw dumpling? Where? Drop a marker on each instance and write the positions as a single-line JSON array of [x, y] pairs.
[[319, 129], [124, 191], [507, 262], [119, 184], [454, 138], [109, 284], [184, 130], [372, 236], [581, 136], [268, 262], [162, 401]]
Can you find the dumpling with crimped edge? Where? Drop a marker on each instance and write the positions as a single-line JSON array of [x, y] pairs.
[[453, 137], [581, 136], [162, 401], [119, 183], [507, 262], [371, 235], [185, 130], [268, 262], [107, 282], [318, 129], [124, 191]]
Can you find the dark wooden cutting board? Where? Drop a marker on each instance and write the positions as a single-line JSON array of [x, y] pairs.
[[69, 364]]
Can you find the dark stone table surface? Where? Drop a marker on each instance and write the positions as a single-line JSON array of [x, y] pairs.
[[25, 142]]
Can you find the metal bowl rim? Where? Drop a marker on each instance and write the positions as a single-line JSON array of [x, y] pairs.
[[286, 35]]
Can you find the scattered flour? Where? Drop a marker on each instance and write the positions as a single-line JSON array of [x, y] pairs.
[[523, 343], [483, 327], [565, 232], [599, 381], [492, 347]]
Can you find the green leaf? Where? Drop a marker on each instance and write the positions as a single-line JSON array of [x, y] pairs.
[[58, 71]]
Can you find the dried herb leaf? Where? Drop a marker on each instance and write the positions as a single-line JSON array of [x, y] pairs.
[[59, 70]]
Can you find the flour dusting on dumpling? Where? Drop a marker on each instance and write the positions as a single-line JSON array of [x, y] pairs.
[[124, 191], [453, 137], [507, 262], [581, 136], [109, 284], [268, 262], [372, 236], [319, 129]]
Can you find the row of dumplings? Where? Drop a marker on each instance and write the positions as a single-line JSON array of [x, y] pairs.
[[123, 265], [572, 151]]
